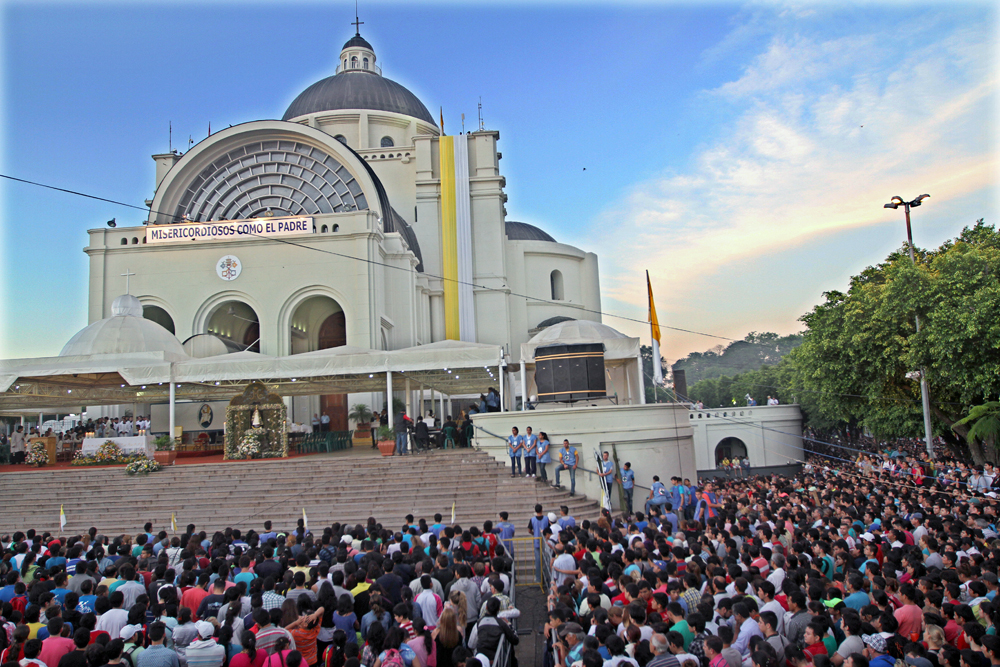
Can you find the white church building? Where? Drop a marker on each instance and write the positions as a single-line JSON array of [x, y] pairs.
[[351, 221]]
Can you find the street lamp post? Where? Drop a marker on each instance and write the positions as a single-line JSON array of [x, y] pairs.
[[925, 398]]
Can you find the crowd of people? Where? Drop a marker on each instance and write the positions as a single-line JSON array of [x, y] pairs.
[[420, 596], [886, 559]]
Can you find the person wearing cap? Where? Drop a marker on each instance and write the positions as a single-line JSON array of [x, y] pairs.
[[875, 651], [133, 650], [205, 651], [569, 646], [627, 480]]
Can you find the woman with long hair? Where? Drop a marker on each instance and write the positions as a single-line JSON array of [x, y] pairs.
[[457, 601], [249, 656], [15, 651], [446, 637], [373, 645], [334, 655], [28, 568], [281, 653], [423, 644], [377, 616], [305, 630]]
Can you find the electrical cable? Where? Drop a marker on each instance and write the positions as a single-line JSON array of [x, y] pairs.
[[373, 262]]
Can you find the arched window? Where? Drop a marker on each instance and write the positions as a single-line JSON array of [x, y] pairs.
[[135, 240], [336, 228], [345, 63], [341, 138], [556, 282], [387, 142], [365, 63], [354, 62], [323, 229]]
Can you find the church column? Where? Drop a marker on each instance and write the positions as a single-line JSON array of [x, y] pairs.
[[363, 131], [420, 409], [408, 396], [172, 420], [524, 388], [642, 380], [500, 378], [388, 395], [441, 410]]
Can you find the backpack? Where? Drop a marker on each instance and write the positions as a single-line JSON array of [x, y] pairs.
[[19, 602], [393, 659], [127, 654]]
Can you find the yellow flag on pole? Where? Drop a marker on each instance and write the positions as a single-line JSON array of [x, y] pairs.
[[173, 522], [62, 517], [305, 519], [654, 331], [453, 512]]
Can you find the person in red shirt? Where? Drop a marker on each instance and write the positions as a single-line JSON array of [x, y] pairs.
[[193, 596], [909, 615], [813, 639], [55, 646]]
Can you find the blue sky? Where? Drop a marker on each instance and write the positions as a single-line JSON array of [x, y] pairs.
[[741, 153]]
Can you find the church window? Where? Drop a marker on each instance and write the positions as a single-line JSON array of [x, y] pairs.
[[345, 63], [341, 138], [556, 282], [124, 241], [365, 63], [135, 240], [323, 229], [387, 142], [336, 228], [354, 62]]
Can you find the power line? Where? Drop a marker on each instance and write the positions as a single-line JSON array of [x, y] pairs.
[[373, 262]]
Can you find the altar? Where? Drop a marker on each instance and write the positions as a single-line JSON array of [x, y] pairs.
[[137, 444]]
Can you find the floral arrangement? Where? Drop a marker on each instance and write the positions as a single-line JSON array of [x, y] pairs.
[[249, 446], [36, 456], [109, 452], [106, 456], [142, 466]]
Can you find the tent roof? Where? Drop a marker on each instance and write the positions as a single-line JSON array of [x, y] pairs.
[[452, 367], [617, 346]]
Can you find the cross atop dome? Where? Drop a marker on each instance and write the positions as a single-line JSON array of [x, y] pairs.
[[357, 54], [357, 24]]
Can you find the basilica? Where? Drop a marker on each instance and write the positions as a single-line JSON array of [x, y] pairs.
[[352, 221]]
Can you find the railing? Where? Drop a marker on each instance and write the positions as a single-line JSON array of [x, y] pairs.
[[359, 68], [504, 651]]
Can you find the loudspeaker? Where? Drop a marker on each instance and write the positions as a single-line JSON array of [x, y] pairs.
[[680, 385], [569, 373]]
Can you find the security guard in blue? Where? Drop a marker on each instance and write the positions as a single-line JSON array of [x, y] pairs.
[[657, 495], [530, 453], [515, 447], [628, 485]]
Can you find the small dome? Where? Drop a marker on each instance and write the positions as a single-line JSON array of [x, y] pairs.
[[126, 304], [522, 231], [358, 41], [575, 332], [125, 332]]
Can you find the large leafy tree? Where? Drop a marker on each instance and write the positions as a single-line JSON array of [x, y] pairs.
[[861, 348], [751, 353]]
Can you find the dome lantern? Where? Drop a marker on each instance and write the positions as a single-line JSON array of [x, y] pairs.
[[358, 56]]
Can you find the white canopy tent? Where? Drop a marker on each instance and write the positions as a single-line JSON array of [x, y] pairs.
[[622, 361]]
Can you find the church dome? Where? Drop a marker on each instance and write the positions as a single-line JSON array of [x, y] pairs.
[[357, 41], [125, 332], [522, 231], [354, 89]]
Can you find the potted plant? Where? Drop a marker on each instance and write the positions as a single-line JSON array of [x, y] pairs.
[[386, 440], [165, 452], [362, 416]]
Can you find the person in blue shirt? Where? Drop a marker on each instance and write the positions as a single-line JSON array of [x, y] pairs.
[[438, 527], [505, 531], [543, 449], [7, 592], [530, 453], [565, 520], [676, 492], [657, 495], [536, 525], [567, 461], [628, 485], [515, 445]]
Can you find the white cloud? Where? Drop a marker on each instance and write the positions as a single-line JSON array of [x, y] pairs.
[[825, 131]]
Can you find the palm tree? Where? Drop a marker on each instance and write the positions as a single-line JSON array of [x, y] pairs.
[[360, 414], [985, 420]]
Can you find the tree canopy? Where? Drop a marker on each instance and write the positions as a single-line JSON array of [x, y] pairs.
[[861, 353], [751, 353]]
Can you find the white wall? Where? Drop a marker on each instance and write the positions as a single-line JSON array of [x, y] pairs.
[[772, 433], [655, 439]]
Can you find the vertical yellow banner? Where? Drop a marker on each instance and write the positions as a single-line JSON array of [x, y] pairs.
[[449, 238]]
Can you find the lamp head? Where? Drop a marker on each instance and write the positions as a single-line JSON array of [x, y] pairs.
[[111, 223], [890, 206], [916, 202]]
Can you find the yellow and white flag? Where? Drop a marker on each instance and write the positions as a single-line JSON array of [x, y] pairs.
[[305, 519], [62, 517], [654, 330], [453, 512], [173, 522]]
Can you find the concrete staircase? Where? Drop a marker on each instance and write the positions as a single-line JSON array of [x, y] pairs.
[[346, 487]]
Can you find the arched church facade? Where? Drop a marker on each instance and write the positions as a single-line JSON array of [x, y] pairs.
[[351, 221]]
